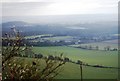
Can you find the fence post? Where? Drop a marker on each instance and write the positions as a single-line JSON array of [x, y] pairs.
[[81, 71]]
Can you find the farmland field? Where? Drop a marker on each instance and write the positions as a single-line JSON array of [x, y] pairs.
[[34, 36], [49, 37], [93, 57], [72, 71], [58, 38], [111, 43]]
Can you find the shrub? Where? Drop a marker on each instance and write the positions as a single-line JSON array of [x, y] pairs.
[[22, 67]]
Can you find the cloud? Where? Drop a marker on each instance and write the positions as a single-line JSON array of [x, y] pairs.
[[22, 9], [98, 1], [58, 7]]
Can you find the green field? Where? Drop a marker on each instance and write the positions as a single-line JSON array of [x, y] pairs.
[[111, 43], [58, 38], [72, 71], [49, 38], [34, 36]]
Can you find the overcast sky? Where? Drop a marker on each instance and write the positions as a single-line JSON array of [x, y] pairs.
[[58, 7]]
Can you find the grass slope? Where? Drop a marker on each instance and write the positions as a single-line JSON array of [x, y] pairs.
[[72, 71]]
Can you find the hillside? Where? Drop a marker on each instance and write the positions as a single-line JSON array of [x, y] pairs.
[[79, 29]]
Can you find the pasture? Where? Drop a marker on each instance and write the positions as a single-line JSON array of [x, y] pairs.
[[35, 36], [49, 37], [58, 38], [72, 71], [111, 43]]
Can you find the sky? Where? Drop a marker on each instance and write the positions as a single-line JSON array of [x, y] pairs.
[[57, 7]]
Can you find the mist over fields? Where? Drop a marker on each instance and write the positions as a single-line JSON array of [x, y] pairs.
[[89, 24]]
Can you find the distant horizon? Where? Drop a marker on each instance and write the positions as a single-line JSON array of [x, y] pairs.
[[84, 18]]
